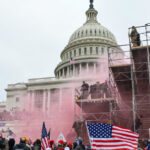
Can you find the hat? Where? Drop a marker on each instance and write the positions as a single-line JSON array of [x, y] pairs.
[[61, 142], [70, 144], [51, 142], [25, 138]]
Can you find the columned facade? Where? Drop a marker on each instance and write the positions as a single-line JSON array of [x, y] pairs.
[[86, 46]]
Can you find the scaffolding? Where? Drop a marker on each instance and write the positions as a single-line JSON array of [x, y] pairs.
[[92, 111], [129, 74], [129, 82]]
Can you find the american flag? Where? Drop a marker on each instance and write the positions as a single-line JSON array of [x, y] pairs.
[[105, 136], [44, 141], [72, 61]]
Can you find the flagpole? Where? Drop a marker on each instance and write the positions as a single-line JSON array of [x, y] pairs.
[[88, 133]]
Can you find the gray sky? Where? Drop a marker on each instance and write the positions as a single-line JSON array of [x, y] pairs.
[[34, 32]]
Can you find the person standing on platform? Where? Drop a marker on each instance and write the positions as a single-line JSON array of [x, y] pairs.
[[93, 91], [106, 90], [135, 37], [98, 90], [84, 90]]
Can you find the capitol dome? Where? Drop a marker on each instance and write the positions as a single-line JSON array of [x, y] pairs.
[[86, 45], [92, 30]]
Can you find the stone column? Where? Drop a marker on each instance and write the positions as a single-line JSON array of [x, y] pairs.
[[28, 104], [87, 67], [94, 68], [63, 73], [32, 100], [80, 68], [68, 71], [60, 99], [74, 70], [48, 102], [59, 73], [44, 101]]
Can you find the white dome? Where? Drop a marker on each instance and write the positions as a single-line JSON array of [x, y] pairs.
[[86, 45], [92, 29]]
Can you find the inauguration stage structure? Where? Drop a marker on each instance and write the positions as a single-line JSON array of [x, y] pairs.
[[129, 84]]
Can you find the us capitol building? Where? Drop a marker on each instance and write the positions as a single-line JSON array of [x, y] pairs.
[[85, 47]]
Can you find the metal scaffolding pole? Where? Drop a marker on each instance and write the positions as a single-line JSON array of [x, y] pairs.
[[133, 83], [148, 58]]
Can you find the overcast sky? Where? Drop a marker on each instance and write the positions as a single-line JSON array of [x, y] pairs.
[[34, 32]]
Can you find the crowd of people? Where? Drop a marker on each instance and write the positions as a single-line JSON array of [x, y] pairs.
[[10, 115], [26, 144], [97, 90]]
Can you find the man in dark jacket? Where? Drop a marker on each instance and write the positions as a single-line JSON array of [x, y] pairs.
[[11, 144], [21, 145], [3, 143], [79, 146], [135, 37], [84, 90], [98, 90], [37, 145]]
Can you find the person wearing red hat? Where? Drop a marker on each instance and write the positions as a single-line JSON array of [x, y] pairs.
[[70, 146], [51, 143], [60, 145]]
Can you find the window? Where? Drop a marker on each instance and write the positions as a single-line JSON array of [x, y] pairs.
[[74, 52], [82, 33], [85, 51], [17, 99], [107, 34], [96, 50], [67, 55], [103, 33], [70, 54], [79, 51], [99, 31], [91, 50], [78, 34], [95, 32], [102, 50], [90, 31], [86, 32]]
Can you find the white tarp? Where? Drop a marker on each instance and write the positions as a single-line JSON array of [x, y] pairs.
[[61, 137]]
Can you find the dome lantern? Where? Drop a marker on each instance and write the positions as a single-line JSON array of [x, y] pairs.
[[91, 4], [91, 13]]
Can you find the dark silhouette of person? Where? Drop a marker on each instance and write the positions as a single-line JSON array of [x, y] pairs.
[[135, 37], [84, 90], [105, 90], [98, 90], [93, 91]]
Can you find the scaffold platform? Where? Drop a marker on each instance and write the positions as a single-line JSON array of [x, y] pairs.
[[101, 100], [132, 80]]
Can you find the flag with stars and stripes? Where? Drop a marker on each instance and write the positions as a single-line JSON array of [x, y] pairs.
[[72, 61], [106, 136], [44, 140]]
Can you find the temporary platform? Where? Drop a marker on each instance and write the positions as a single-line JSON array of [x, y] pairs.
[[132, 81]]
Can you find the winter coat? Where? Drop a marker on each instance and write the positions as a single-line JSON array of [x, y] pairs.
[[37, 147], [4, 144], [11, 144], [21, 146], [60, 147], [80, 147]]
